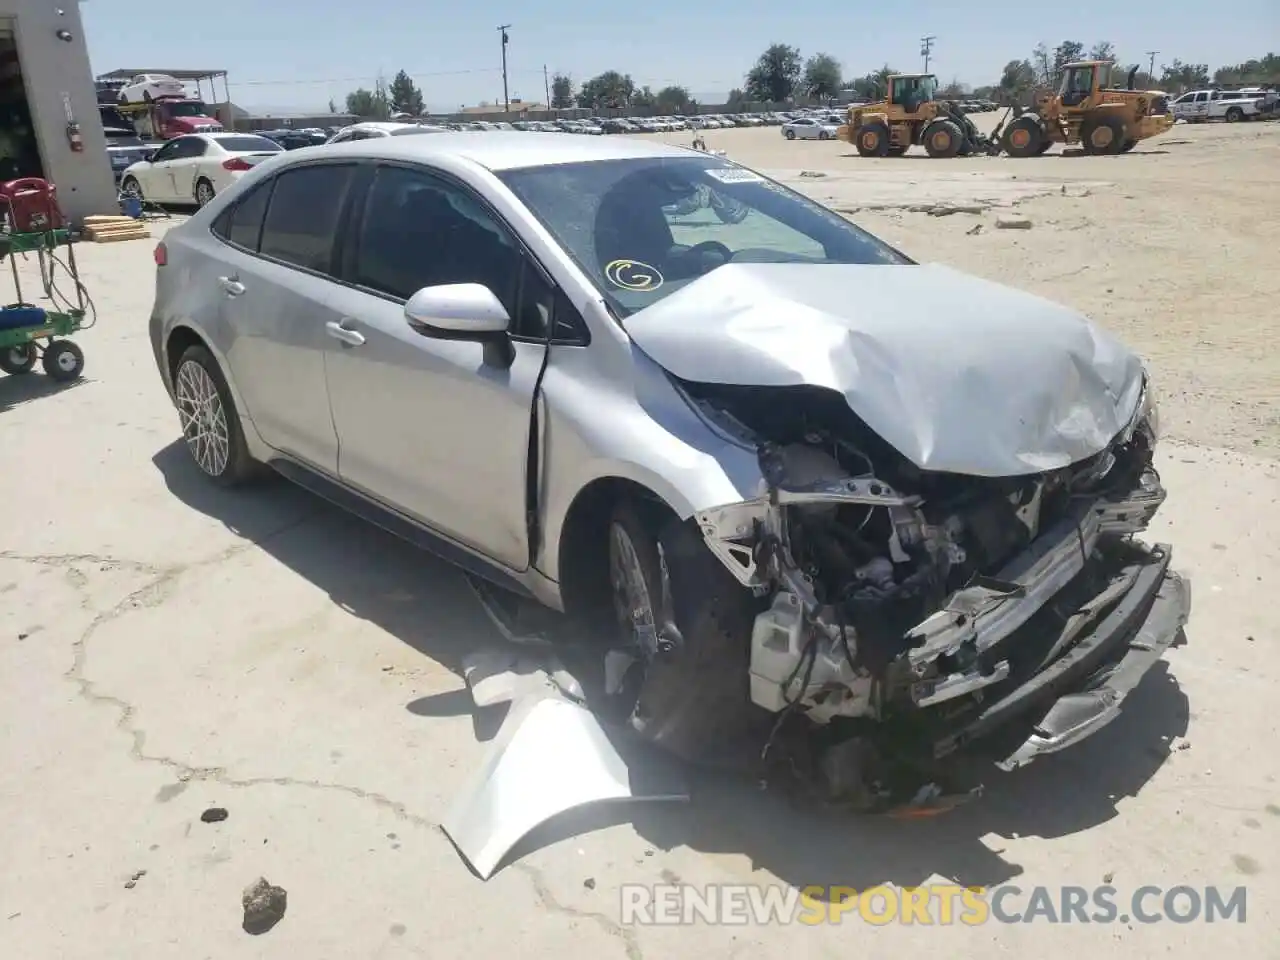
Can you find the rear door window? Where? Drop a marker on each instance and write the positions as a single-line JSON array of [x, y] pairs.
[[301, 223], [242, 224]]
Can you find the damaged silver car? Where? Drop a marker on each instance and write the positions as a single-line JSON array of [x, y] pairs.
[[797, 486]]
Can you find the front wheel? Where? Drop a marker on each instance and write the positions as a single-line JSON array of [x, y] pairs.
[[943, 140], [873, 140], [18, 360], [130, 187], [823, 135], [204, 192], [789, 134], [210, 423], [687, 623], [1024, 138]]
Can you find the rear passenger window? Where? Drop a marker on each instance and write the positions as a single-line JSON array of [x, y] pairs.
[[302, 218], [242, 224]]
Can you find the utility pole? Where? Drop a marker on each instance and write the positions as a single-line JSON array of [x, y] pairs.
[[926, 48], [546, 86], [506, 98], [1151, 72]]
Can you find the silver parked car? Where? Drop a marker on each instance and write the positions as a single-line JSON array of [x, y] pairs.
[[798, 486]]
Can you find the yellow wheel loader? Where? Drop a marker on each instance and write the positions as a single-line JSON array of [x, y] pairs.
[[1087, 111], [911, 114]]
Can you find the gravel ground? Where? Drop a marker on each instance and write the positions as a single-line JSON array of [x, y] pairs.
[[166, 648]]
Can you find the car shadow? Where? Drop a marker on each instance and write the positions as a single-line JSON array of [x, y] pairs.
[[426, 604], [18, 389]]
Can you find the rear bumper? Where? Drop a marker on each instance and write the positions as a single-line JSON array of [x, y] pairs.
[[1082, 690]]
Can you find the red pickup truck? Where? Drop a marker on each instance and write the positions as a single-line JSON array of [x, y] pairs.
[[170, 117]]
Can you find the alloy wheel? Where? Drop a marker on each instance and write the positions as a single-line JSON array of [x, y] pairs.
[[203, 418]]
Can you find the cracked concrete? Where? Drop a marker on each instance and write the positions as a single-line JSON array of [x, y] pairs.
[[166, 647]]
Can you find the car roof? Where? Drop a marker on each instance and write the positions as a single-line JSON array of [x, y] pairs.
[[381, 125], [508, 149]]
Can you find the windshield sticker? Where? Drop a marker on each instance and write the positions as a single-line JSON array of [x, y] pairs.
[[633, 275], [734, 175]]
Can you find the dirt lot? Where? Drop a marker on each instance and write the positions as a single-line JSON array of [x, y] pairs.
[[1170, 246], [166, 647]]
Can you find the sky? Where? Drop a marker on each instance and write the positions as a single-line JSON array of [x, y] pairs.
[[296, 55]]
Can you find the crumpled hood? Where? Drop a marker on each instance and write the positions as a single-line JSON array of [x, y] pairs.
[[957, 373]]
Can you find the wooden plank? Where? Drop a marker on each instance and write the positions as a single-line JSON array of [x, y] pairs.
[[114, 237], [102, 219]]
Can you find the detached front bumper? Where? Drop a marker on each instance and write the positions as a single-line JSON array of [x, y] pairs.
[[1082, 690]]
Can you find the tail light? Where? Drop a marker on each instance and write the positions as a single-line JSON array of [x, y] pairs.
[[161, 254], [236, 165]]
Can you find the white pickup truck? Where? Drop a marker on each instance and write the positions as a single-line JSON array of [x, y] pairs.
[[1197, 106]]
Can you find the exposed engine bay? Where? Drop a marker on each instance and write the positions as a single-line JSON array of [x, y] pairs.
[[893, 590]]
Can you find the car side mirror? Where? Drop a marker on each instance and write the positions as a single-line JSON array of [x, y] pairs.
[[463, 311]]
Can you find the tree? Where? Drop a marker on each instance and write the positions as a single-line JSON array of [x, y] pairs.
[[1066, 52], [955, 90], [675, 100], [822, 76], [1102, 50], [405, 95], [737, 101], [644, 97], [1264, 70], [1017, 80], [370, 104], [775, 75], [561, 92], [611, 89], [333, 107], [1178, 76], [1042, 64]]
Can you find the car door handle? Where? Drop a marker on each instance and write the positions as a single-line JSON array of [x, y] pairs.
[[231, 286], [339, 331]]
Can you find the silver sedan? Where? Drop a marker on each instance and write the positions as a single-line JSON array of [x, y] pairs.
[[776, 469]]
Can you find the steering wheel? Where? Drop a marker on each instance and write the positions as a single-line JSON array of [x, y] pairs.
[[709, 246]]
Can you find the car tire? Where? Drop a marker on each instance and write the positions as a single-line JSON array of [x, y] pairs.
[[823, 135], [210, 422], [789, 134], [692, 698], [1234, 115], [1102, 136], [130, 187], [1128, 145], [18, 360], [204, 192], [1023, 138], [872, 140]]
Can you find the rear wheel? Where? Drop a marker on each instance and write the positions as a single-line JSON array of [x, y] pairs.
[[18, 360], [204, 192], [1103, 135], [943, 139], [789, 134], [1024, 138], [1235, 115], [687, 622], [873, 140], [210, 423], [823, 135]]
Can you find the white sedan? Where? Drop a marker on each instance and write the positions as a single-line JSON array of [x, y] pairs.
[[809, 128], [373, 129], [196, 168], [146, 87]]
